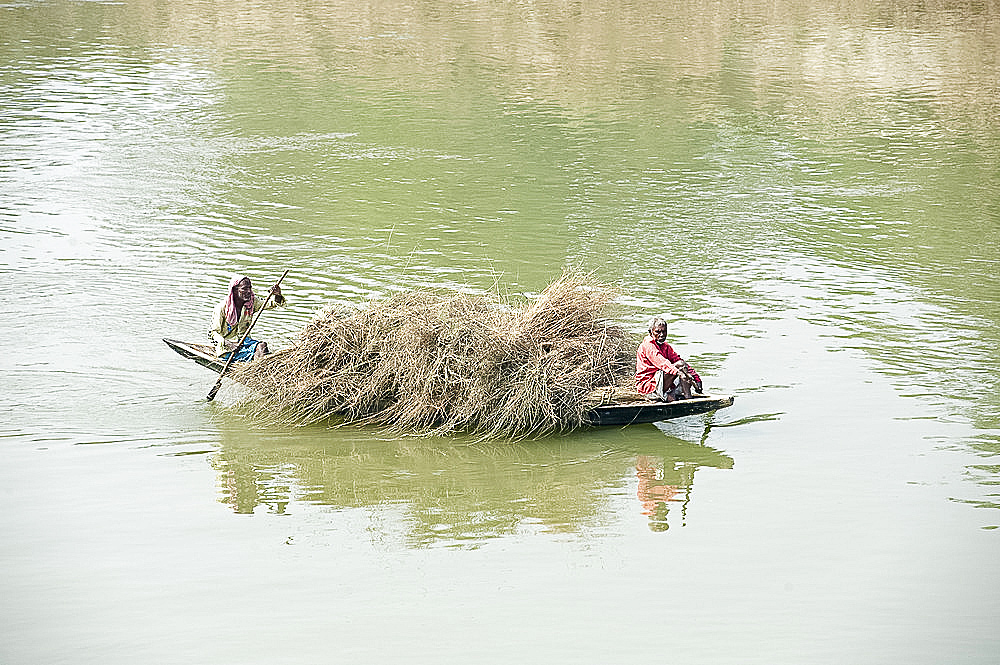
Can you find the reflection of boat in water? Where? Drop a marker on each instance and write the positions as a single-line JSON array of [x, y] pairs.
[[607, 407], [429, 492]]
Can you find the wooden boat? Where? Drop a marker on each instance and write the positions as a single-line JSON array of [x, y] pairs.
[[633, 409], [609, 406]]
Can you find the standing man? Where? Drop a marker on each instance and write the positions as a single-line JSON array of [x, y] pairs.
[[660, 370]]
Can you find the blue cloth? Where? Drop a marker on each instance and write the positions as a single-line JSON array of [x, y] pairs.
[[245, 352]]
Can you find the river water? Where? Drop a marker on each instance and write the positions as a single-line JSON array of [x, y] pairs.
[[810, 192]]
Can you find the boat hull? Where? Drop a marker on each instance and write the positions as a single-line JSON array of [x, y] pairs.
[[614, 414], [203, 354], [652, 411]]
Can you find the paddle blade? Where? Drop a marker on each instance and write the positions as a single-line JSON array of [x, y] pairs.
[[215, 389]]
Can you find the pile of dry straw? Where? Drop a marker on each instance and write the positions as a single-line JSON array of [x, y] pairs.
[[439, 363]]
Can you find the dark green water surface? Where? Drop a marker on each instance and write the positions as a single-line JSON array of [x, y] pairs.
[[810, 193]]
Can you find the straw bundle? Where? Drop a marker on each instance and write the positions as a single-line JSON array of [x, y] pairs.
[[440, 363]]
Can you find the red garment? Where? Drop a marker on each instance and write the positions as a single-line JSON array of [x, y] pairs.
[[650, 357]]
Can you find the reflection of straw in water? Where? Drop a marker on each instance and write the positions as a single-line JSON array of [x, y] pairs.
[[436, 363]]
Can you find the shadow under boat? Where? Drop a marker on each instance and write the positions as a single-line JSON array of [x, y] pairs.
[[458, 491]]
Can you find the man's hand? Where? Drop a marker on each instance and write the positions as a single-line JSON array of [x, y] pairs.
[[276, 292]]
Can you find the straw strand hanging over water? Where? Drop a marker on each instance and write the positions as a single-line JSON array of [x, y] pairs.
[[438, 363]]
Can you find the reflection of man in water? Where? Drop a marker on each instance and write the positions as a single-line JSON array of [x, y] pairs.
[[654, 491]]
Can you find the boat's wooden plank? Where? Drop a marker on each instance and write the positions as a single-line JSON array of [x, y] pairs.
[[203, 354]]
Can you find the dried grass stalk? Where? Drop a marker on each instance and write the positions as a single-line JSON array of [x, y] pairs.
[[440, 363]]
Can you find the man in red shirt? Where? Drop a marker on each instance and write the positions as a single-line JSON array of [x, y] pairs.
[[659, 370]]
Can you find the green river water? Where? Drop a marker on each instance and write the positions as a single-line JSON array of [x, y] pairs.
[[809, 192]]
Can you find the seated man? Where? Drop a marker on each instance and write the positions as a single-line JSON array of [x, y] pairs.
[[233, 316], [659, 370]]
